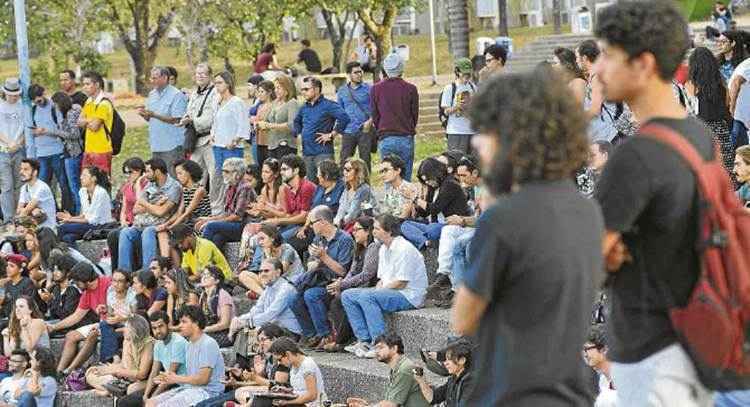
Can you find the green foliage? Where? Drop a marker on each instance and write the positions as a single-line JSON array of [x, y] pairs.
[[90, 59], [697, 10]]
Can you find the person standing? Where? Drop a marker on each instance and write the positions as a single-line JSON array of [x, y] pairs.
[[309, 57], [395, 110], [164, 109], [68, 86], [366, 54], [265, 94], [70, 135], [12, 143], [455, 99], [200, 113], [495, 57], [230, 125], [318, 122], [354, 98], [47, 148], [96, 118], [647, 194], [280, 120], [523, 247]]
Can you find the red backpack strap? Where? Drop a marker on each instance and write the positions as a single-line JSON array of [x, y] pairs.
[[678, 143]]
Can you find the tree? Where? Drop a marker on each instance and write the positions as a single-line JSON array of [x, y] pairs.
[[502, 18], [458, 18], [557, 15], [378, 16], [336, 19], [141, 33], [195, 29]]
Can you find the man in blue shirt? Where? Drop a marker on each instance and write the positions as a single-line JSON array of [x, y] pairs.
[[45, 146], [165, 106], [354, 98], [319, 121], [330, 256]]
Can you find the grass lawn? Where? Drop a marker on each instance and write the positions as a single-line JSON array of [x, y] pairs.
[[420, 63], [136, 145]]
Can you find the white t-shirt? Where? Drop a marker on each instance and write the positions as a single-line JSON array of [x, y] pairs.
[[297, 380], [458, 123], [8, 387], [742, 108], [11, 120], [607, 395], [403, 262], [45, 201], [98, 209]]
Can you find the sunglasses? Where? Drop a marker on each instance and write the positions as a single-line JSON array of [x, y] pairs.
[[348, 169], [264, 270]]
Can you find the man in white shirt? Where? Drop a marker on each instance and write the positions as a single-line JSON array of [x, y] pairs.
[[739, 99], [402, 283], [35, 194], [10, 386], [454, 100]]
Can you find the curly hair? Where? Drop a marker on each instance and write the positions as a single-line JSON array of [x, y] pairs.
[[704, 73], [739, 51], [658, 28], [540, 128], [360, 170]]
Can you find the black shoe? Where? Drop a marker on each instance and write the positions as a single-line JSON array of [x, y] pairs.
[[445, 299], [442, 281]]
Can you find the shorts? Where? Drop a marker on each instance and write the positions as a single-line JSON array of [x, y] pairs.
[[103, 161], [86, 329]]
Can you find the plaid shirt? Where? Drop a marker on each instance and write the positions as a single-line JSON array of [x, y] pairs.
[[238, 198]]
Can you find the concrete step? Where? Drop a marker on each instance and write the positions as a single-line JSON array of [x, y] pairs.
[[86, 398]]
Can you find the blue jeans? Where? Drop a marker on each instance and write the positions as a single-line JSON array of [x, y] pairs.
[[365, 307], [737, 398], [222, 153], [109, 341], [739, 134], [221, 232], [312, 313], [460, 259], [128, 238], [26, 400], [70, 232], [402, 146], [73, 174], [217, 401], [419, 233], [53, 164], [288, 231], [312, 162]]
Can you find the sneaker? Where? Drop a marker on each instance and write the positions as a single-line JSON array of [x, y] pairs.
[[370, 354], [442, 281], [357, 347]]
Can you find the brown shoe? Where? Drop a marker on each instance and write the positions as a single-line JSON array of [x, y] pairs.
[[333, 347], [323, 342], [311, 343]]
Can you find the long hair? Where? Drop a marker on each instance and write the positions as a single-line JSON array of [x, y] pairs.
[[432, 169], [739, 51], [568, 61], [102, 179], [704, 73], [275, 166], [360, 169], [47, 241], [180, 280], [140, 330], [63, 102], [14, 325], [367, 223], [227, 77]]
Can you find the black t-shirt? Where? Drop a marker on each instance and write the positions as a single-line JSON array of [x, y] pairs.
[[647, 193], [535, 258], [311, 60], [25, 287]]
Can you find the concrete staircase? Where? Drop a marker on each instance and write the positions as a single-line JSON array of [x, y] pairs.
[[344, 375], [541, 50]]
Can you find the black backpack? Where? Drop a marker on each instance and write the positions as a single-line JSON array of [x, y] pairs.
[[441, 110], [117, 132]]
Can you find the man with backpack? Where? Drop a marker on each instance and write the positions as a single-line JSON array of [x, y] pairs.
[[648, 195], [97, 117], [453, 102]]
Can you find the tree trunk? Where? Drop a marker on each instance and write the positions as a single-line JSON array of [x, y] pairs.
[[502, 18], [335, 36], [458, 18], [556, 15], [381, 32]]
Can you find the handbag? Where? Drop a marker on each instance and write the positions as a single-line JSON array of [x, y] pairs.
[[76, 381], [100, 232], [191, 134]]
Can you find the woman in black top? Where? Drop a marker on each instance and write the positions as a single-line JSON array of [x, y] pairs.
[[707, 86], [442, 197]]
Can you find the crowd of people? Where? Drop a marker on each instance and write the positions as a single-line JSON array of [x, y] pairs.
[[542, 187]]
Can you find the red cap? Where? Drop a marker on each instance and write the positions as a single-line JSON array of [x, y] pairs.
[[18, 259]]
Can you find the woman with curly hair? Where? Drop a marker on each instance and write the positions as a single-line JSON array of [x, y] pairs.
[[705, 83], [564, 60], [541, 240], [732, 51], [357, 196]]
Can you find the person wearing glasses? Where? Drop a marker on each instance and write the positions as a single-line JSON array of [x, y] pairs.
[[14, 384], [273, 304], [595, 356], [397, 192], [227, 226], [217, 305], [357, 198], [318, 122], [494, 61], [354, 98]]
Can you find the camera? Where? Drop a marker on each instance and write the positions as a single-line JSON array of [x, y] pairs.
[[419, 371]]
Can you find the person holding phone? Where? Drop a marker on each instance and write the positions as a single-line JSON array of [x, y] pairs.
[[456, 358]]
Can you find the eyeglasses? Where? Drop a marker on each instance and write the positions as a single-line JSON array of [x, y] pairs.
[[356, 72], [348, 169], [591, 347], [265, 270], [17, 361], [357, 229], [384, 170], [315, 221]]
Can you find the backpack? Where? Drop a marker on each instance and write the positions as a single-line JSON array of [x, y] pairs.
[[714, 325], [441, 110], [117, 132], [33, 115]]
